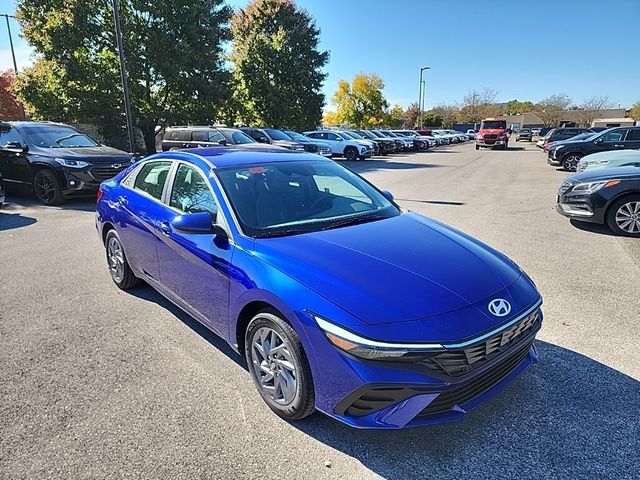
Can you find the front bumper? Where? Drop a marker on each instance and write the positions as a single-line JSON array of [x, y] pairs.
[[87, 180], [490, 143], [553, 158], [437, 389], [588, 207]]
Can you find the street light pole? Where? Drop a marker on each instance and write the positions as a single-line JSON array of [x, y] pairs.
[[420, 97], [123, 75], [13, 53]]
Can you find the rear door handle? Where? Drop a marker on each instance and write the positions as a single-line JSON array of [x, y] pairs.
[[165, 228], [124, 200], [618, 145]]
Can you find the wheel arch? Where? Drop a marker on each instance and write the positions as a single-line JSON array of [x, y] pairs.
[[247, 312], [620, 196]]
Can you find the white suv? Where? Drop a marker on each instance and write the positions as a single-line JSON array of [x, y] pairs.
[[342, 144]]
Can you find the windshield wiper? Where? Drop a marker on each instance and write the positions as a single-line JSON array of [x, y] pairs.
[[282, 233], [355, 221]]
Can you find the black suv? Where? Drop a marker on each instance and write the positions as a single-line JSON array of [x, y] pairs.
[[56, 160], [564, 133], [203, 136], [274, 137], [568, 153]]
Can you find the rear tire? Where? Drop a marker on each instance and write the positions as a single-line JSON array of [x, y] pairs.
[[620, 216], [477, 147], [47, 188], [283, 377], [119, 268]]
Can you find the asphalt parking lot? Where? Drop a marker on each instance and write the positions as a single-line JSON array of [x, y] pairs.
[[99, 383]]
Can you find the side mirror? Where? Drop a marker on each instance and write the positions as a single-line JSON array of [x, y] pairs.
[[388, 195], [263, 139], [223, 142], [14, 147], [200, 222], [599, 140]]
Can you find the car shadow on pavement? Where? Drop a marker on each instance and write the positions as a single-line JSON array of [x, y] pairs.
[[361, 166], [9, 221], [147, 292], [22, 198], [567, 417], [592, 227]]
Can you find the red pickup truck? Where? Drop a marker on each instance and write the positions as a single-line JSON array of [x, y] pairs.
[[493, 133]]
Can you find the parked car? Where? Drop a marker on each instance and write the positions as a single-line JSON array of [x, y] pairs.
[[560, 134], [493, 133], [581, 136], [609, 196], [400, 145], [194, 136], [420, 142], [472, 134], [375, 147], [609, 159], [461, 137], [524, 134], [407, 143], [440, 140], [56, 160], [311, 146], [342, 145], [568, 154], [2, 194], [386, 145], [272, 136], [283, 254]]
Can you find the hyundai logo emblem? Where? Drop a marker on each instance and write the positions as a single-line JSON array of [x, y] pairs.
[[116, 165], [499, 307]]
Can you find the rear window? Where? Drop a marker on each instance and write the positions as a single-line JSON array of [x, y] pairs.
[[151, 178]]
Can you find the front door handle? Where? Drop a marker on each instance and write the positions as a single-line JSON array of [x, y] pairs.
[[123, 201], [165, 228], [618, 145]]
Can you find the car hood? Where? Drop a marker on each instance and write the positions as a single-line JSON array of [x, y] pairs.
[[89, 154], [287, 144], [399, 269], [605, 174], [613, 155]]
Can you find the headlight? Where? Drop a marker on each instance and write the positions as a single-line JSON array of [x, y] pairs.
[[363, 149], [594, 186], [65, 162], [371, 349], [594, 163]]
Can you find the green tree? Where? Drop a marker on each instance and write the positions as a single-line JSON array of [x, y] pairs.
[[395, 117], [432, 118], [361, 103], [174, 59], [515, 107], [277, 66], [635, 111]]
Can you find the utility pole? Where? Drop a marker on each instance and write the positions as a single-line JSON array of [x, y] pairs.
[[123, 75], [421, 96], [13, 56]]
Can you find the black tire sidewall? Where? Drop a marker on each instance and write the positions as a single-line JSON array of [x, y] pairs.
[[58, 198], [566, 159], [611, 215], [351, 150], [300, 407]]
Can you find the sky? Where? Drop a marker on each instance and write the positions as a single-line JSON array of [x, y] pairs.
[[525, 50]]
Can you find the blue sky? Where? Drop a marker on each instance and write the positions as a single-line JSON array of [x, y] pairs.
[[524, 49]]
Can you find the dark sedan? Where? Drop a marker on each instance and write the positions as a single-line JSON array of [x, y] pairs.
[[609, 196]]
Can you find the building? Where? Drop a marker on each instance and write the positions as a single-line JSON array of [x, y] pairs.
[[569, 118], [614, 122]]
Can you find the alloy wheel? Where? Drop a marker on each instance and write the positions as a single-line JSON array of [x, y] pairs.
[[115, 258], [628, 217], [46, 190], [274, 366], [571, 162]]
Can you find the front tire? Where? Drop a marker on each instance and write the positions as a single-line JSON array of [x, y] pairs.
[[279, 367], [477, 147], [623, 216], [351, 154], [47, 188], [119, 268], [570, 162]]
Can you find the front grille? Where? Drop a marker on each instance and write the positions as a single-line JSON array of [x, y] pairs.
[[105, 172], [325, 150], [490, 137], [310, 147], [461, 394], [458, 362]]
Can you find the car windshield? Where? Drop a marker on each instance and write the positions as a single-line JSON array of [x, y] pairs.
[[296, 136], [277, 134], [236, 137], [377, 133], [368, 134], [51, 136], [347, 135], [288, 198], [356, 135], [493, 125]]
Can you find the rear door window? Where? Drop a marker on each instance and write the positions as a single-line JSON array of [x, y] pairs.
[[151, 178], [633, 135], [615, 136]]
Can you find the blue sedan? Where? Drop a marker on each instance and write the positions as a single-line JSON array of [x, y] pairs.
[[340, 300]]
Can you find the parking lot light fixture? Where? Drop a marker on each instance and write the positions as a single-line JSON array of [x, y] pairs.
[[420, 96]]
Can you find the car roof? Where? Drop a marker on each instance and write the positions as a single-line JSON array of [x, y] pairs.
[[229, 156], [27, 124]]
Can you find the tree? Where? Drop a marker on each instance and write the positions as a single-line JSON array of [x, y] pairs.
[[9, 106], [330, 119], [431, 118], [361, 103], [277, 66], [515, 107], [395, 117], [173, 53], [590, 109], [478, 104], [635, 111], [550, 109], [411, 115], [448, 114]]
